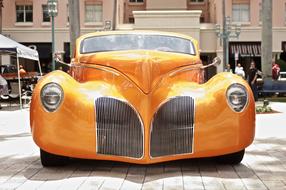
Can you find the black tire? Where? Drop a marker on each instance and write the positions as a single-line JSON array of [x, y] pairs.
[[233, 158], [49, 160]]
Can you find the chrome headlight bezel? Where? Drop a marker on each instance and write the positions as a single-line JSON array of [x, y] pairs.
[[56, 94], [237, 97]]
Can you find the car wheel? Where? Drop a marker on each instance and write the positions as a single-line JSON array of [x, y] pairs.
[[233, 158], [48, 159]]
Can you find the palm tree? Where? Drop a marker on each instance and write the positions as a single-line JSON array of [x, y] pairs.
[[74, 23], [1, 6], [266, 44]]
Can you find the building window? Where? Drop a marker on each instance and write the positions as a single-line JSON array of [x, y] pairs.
[[196, 1], [24, 13], [136, 1], [46, 17], [93, 13], [240, 12]]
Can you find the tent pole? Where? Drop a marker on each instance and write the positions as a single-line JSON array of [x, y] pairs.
[[19, 82]]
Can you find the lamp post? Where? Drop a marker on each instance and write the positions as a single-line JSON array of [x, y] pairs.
[[53, 12], [228, 31]]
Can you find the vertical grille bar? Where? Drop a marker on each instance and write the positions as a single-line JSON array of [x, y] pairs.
[[172, 128], [119, 129]]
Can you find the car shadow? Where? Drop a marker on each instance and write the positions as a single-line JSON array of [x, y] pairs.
[[133, 172], [264, 159], [13, 136]]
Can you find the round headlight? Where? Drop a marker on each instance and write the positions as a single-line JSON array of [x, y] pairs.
[[51, 96], [237, 97]]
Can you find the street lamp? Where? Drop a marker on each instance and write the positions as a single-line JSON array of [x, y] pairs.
[[53, 12], [225, 33]]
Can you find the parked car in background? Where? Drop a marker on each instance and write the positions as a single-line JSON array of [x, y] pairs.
[[140, 97], [282, 75]]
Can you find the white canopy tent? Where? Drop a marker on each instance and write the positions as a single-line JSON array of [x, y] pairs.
[[11, 47]]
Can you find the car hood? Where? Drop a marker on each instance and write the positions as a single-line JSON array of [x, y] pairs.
[[144, 67]]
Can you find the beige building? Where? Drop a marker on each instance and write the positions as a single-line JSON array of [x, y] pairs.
[[176, 16], [26, 21]]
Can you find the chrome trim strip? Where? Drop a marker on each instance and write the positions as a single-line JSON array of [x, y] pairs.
[[95, 67], [184, 70]]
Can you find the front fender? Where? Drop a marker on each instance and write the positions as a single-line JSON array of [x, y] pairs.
[[218, 129], [224, 128], [72, 126]]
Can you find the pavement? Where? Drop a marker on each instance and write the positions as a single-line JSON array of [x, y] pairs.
[[263, 167]]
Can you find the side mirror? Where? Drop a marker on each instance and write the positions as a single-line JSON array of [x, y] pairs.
[[216, 61]]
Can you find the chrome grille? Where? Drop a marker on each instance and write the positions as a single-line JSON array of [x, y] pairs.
[[172, 128], [118, 128]]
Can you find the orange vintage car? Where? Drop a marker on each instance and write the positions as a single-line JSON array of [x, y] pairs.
[[140, 97]]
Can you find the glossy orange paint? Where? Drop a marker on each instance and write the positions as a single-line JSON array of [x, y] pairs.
[[145, 79]]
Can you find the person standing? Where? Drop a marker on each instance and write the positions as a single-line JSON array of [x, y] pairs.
[[228, 68], [239, 70], [275, 71], [252, 79], [22, 70]]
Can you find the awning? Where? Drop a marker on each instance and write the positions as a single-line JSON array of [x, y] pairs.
[[246, 49], [8, 46]]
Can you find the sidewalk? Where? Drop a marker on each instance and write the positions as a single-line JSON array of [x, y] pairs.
[[263, 167]]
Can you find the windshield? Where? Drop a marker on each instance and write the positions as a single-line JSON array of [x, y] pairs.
[[135, 42]]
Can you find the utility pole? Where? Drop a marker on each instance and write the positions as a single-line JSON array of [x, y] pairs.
[[53, 12], [225, 40], [74, 24], [266, 45]]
